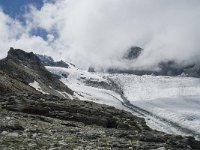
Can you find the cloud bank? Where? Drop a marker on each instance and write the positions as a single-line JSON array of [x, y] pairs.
[[98, 32]]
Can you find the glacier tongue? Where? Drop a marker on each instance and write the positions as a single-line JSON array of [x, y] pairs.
[[175, 99], [169, 104]]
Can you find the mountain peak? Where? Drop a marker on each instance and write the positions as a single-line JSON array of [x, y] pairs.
[[49, 61], [20, 55], [27, 68], [133, 53]]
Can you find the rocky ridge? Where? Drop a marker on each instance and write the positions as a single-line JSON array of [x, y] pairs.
[[27, 68], [48, 61]]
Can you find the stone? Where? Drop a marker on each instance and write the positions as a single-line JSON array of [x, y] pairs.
[[14, 134], [161, 148], [4, 132]]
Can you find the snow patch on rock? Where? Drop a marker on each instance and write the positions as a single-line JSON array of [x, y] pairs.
[[36, 86]]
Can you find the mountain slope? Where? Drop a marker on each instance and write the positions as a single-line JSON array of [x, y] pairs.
[[28, 69], [9, 84], [36, 121]]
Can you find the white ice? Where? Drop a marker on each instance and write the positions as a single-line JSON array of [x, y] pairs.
[[176, 99]]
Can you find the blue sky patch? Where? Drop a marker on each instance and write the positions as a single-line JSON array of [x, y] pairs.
[[17, 8], [39, 32]]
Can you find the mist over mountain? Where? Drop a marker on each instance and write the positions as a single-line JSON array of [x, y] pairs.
[[100, 74], [99, 32]]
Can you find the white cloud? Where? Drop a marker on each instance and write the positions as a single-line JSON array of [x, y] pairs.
[[16, 34], [97, 32]]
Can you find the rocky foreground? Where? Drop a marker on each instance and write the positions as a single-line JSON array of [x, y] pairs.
[[37, 121]]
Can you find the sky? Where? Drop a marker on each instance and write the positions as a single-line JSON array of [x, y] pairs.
[[98, 32], [16, 8]]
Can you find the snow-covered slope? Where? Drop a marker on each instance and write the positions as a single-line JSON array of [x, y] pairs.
[[170, 104], [75, 79], [176, 99]]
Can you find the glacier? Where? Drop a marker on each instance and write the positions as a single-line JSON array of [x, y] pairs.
[[169, 104]]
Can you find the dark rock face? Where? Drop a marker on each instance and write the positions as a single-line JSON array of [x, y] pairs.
[[133, 53], [36, 121], [27, 68], [28, 59], [170, 68], [91, 69], [48, 61], [9, 84], [193, 70]]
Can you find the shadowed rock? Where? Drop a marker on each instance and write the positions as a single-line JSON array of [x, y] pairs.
[[48, 61], [133, 53], [27, 68]]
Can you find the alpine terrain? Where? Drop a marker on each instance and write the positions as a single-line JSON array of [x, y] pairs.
[[46, 104]]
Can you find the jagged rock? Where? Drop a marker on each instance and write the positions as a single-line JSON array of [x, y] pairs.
[[23, 68], [48, 61], [27, 59], [133, 53]]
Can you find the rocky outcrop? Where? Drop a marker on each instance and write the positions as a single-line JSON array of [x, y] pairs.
[[91, 69], [27, 68], [36, 121], [193, 70], [133, 53], [48, 61]]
